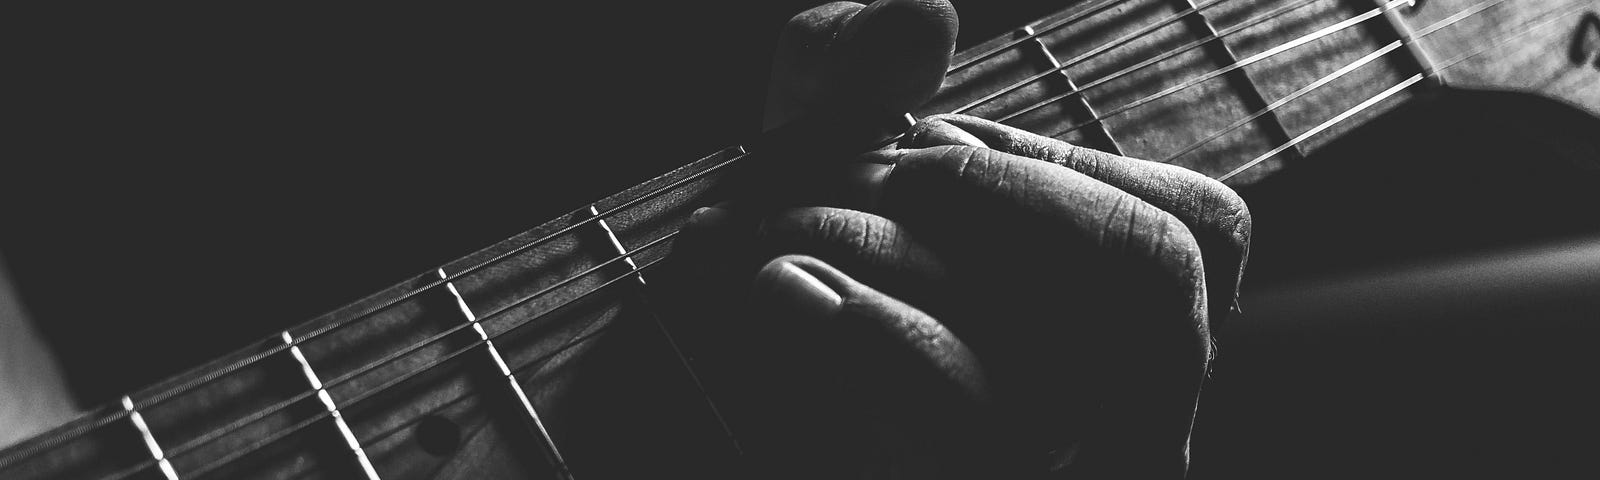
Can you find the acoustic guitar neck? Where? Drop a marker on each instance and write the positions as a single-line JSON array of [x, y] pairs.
[[552, 354]]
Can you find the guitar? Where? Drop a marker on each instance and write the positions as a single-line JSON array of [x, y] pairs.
[[546, 354]]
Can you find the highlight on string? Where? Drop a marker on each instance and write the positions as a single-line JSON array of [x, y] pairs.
[[107, 416]]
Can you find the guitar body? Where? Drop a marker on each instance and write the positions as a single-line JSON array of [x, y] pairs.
[[594, 316]]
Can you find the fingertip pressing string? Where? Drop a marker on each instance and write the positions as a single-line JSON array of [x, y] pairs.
[[108, 416]]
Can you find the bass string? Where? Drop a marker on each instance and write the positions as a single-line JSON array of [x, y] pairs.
[[172, 392], [279, 347], [165, 394], [396, 355], [1312, 86], [285, 432]]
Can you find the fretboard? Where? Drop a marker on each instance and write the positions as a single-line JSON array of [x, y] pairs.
[[543, 354]]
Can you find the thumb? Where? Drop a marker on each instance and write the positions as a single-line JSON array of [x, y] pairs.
[[882, 59]]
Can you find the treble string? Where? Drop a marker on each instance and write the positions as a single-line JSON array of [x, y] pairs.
[[626, 276], [1424, 32], [393, 356], [167, 394], [368, 393], [1269, 53], [114, 415], [1074, 18], [1108, 46], [1402, 85], [1129, 70]]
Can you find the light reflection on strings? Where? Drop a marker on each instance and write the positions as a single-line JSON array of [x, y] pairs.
[[170, 393]]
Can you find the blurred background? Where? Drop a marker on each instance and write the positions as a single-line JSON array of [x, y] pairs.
[[1421, 300]]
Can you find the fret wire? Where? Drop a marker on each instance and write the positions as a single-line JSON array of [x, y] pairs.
[[1409, 38], [381, 436], [1418, 77], [1446, 22], [552, 453], [672, 343], [333, 410], [1250, 92], [1009, 45], [1253, 21], [162, 396], [167, 394], [258, 415], [1096, 51], [1352, 66], [1324, 125], [1083, 100], [149, 439], [1325, 31], [433, 364]]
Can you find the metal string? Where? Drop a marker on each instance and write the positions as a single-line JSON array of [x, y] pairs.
[[279, 347], [1447, 21], [1251, 22], [1397, 87], [1108, 46], [174, 391], [1286, 46], [1013, 43], [391, 357], [285, 432]]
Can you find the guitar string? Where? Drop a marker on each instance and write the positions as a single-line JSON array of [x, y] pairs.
[[236, 454], [1269, 53], [164, 394], [1080, 91], [393, 356], [1424, 32], [1315, 84], [110, 415], [438, 362], [1308, 88], [255, 358], [1403, 83], [1108, 46], [1071, 19], [279, 347], [426, 288], [159, 398]]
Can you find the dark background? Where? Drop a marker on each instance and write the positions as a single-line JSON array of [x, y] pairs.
[[189, 179], [184, 181]]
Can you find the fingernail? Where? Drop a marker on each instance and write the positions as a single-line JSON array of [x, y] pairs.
[[786, 287], [708, 217], [934, 133]]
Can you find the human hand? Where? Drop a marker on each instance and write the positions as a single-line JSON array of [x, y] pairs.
[[980, 301]]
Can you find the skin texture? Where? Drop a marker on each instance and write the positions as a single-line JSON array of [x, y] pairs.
[[979, 301]]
